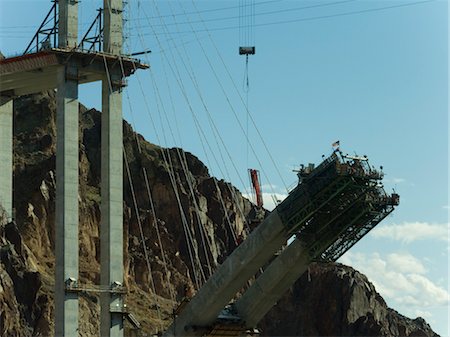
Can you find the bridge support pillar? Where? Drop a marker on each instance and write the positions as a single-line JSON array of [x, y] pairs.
[[111, 227], [111, 230], [66, 229], [6, 155]]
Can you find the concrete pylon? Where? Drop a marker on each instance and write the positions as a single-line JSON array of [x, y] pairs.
[[113, 26], [6, 155], [111, 227], [111, 230], [66, 229], [68, 24]]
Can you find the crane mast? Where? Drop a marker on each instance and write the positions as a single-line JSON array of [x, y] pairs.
[[256, 186]]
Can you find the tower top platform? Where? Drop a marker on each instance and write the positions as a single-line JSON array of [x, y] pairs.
[[31, 73]]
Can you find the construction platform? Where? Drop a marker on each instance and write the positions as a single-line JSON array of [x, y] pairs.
[[31, 73], [336, 204]]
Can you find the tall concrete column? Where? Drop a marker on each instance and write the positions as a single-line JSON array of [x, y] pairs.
[[111, 231], [113, 26], [68, 23], [66, 229], [6, 155]]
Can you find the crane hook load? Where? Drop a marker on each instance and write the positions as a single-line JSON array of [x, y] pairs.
[[247, 50]]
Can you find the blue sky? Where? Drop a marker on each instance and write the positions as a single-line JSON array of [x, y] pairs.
[[372, 74]]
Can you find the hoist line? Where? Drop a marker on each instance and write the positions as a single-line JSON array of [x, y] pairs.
[[202, 228], [240, 20], [179, 82], [183, 90], [246, 88], [186, 228], [210, 119], [136, 209], [198, 126], [229, 102], [233, 193], [190, 71], [233, 233], [149, 194], [189, 68], [248, 112]]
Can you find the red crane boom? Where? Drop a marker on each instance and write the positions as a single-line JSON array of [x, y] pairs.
[[254, 178]]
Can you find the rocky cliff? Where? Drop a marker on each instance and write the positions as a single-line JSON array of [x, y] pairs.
[[336, 300], [27, 259]]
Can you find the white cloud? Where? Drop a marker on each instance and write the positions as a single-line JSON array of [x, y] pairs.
[[405, 263], [409, 301], [408, 232], [400, 279], [435, 294], [268, 199], [423, 314], [394, 180]]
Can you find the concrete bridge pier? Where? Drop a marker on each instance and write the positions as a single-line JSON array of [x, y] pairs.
[[111, 230], [66, 229], [111, 227], [6, 155]]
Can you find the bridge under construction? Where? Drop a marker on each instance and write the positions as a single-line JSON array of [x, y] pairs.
[[332, 207]]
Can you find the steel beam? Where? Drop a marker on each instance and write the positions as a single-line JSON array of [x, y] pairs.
[[6, 155], [66, 229]]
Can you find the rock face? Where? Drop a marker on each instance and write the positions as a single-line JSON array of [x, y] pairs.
[[211, 215], [336, 300]]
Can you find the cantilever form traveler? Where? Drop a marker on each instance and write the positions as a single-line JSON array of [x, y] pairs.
[[334, 205]]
